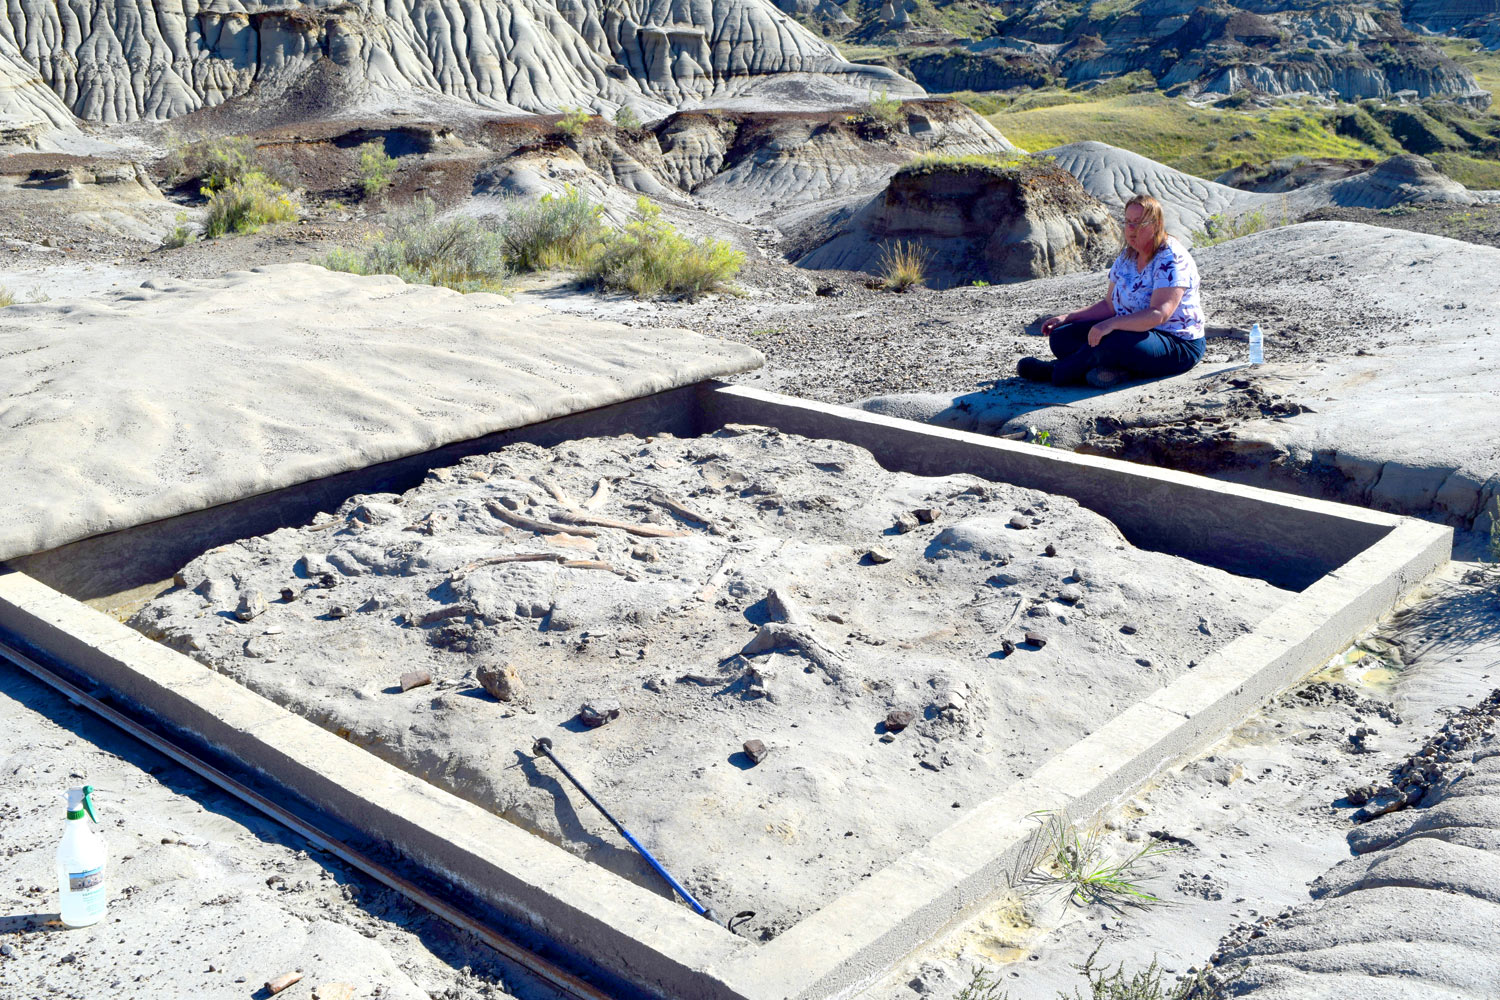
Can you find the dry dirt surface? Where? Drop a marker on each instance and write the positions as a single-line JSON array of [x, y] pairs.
[[207, 899], [748, 585]]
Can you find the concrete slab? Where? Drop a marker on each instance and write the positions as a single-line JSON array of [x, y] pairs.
[[1352, 564]]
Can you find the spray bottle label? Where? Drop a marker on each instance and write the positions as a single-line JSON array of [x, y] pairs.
[[80, 881]]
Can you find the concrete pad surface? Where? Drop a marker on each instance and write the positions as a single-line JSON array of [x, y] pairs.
[[181, 395]]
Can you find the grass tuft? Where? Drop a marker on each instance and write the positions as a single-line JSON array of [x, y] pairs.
[[650, 258], [903, 265], [1146, 984], [7, 297], [1065, 860], [461, 253]]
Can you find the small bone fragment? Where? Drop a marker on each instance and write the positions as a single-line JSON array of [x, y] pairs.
[[275, 986], [333, 991], [540, 527], [413, 679], [571, 542], [555, 491], [662, 500], [599, 497], [878, 555], [756, 751], [642, 530]]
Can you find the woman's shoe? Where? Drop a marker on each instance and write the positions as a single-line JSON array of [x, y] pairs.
[[1104, 378], [1034, 369]]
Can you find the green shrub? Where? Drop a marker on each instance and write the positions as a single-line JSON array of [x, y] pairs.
[[376, 169], [650, 258], [214, 163], [886, 110], [461, 253], [1220, 228], [902, 266], [555, 231], [628, 119], [245, 204], [572, 122]]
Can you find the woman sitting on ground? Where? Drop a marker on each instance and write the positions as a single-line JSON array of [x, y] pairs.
[[1148, 326]]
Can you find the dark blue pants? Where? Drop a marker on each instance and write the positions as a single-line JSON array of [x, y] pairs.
[[1151, 354]]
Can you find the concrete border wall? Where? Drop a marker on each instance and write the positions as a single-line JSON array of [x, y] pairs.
[[1350, 564]]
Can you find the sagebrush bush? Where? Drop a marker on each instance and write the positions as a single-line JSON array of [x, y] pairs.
[[572, 122], [886, 109], [650, 258], [213, 163], [181, 235], [902, 266], [627, 119], [462, 253], [555, 231], [376, 170], [245, 204]]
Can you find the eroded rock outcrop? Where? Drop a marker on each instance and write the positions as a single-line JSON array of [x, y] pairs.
[[1001, 220], [123, 60]]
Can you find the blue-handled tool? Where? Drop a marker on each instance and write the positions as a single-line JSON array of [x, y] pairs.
[[543, 748]]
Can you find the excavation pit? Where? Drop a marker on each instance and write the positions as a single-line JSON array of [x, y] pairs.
[[1292, 581]]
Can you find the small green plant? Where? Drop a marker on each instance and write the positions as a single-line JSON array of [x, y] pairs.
[[181, 235], [460, 253], [572, 122], [246, 204], [1146, 984], [376, 170], [902, 265], [979, 283], [563, 230], [1219, 228], [886, 110], [1065, 860], [981, 987], [627, 119], [766, 331], [1494, 534], [1044, 438], [650, 258]]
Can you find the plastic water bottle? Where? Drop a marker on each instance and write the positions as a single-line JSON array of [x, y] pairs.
[[1257, 353], [81, 862]]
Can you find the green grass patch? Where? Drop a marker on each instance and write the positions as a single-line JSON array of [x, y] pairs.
[[1483, 63], [1470, 171], [1201, 141]]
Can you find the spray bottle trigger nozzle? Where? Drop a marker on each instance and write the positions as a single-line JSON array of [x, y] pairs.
[[88, 802]]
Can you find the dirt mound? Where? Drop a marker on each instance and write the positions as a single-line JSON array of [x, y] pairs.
[[977, 220]]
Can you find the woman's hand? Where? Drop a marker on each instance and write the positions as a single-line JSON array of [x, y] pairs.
[[1052, 323], [1100, 330]]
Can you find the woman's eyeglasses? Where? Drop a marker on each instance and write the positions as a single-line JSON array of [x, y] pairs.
[[1137, 224]]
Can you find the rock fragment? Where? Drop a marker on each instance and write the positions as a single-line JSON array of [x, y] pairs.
[[756, 751], [1037, 639], [878, 555], [414, 679], [927, 515], [898, 719], [288, 595], [1051, 549], [905, 522], [598, 712], [1070, 594], [1007, 647], [501, 681], [1019, 523], [1130, 628], [252, 605]]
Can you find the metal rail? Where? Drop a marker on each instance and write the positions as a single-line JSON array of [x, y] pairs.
[[527, 959]]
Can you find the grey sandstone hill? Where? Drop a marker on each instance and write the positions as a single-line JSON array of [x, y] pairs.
[[1349, 51], [126, 60]]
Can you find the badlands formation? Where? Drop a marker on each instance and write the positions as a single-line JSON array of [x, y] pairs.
[[776, 588]]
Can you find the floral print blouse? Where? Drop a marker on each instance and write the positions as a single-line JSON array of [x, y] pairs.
[[1170, 268]]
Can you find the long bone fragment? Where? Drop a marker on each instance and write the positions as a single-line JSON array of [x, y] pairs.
[[642, 530], [529, 524]]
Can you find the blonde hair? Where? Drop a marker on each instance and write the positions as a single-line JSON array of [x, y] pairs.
[[1150, 212]]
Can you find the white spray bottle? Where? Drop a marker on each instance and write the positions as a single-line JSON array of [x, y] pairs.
[[81, 862]]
